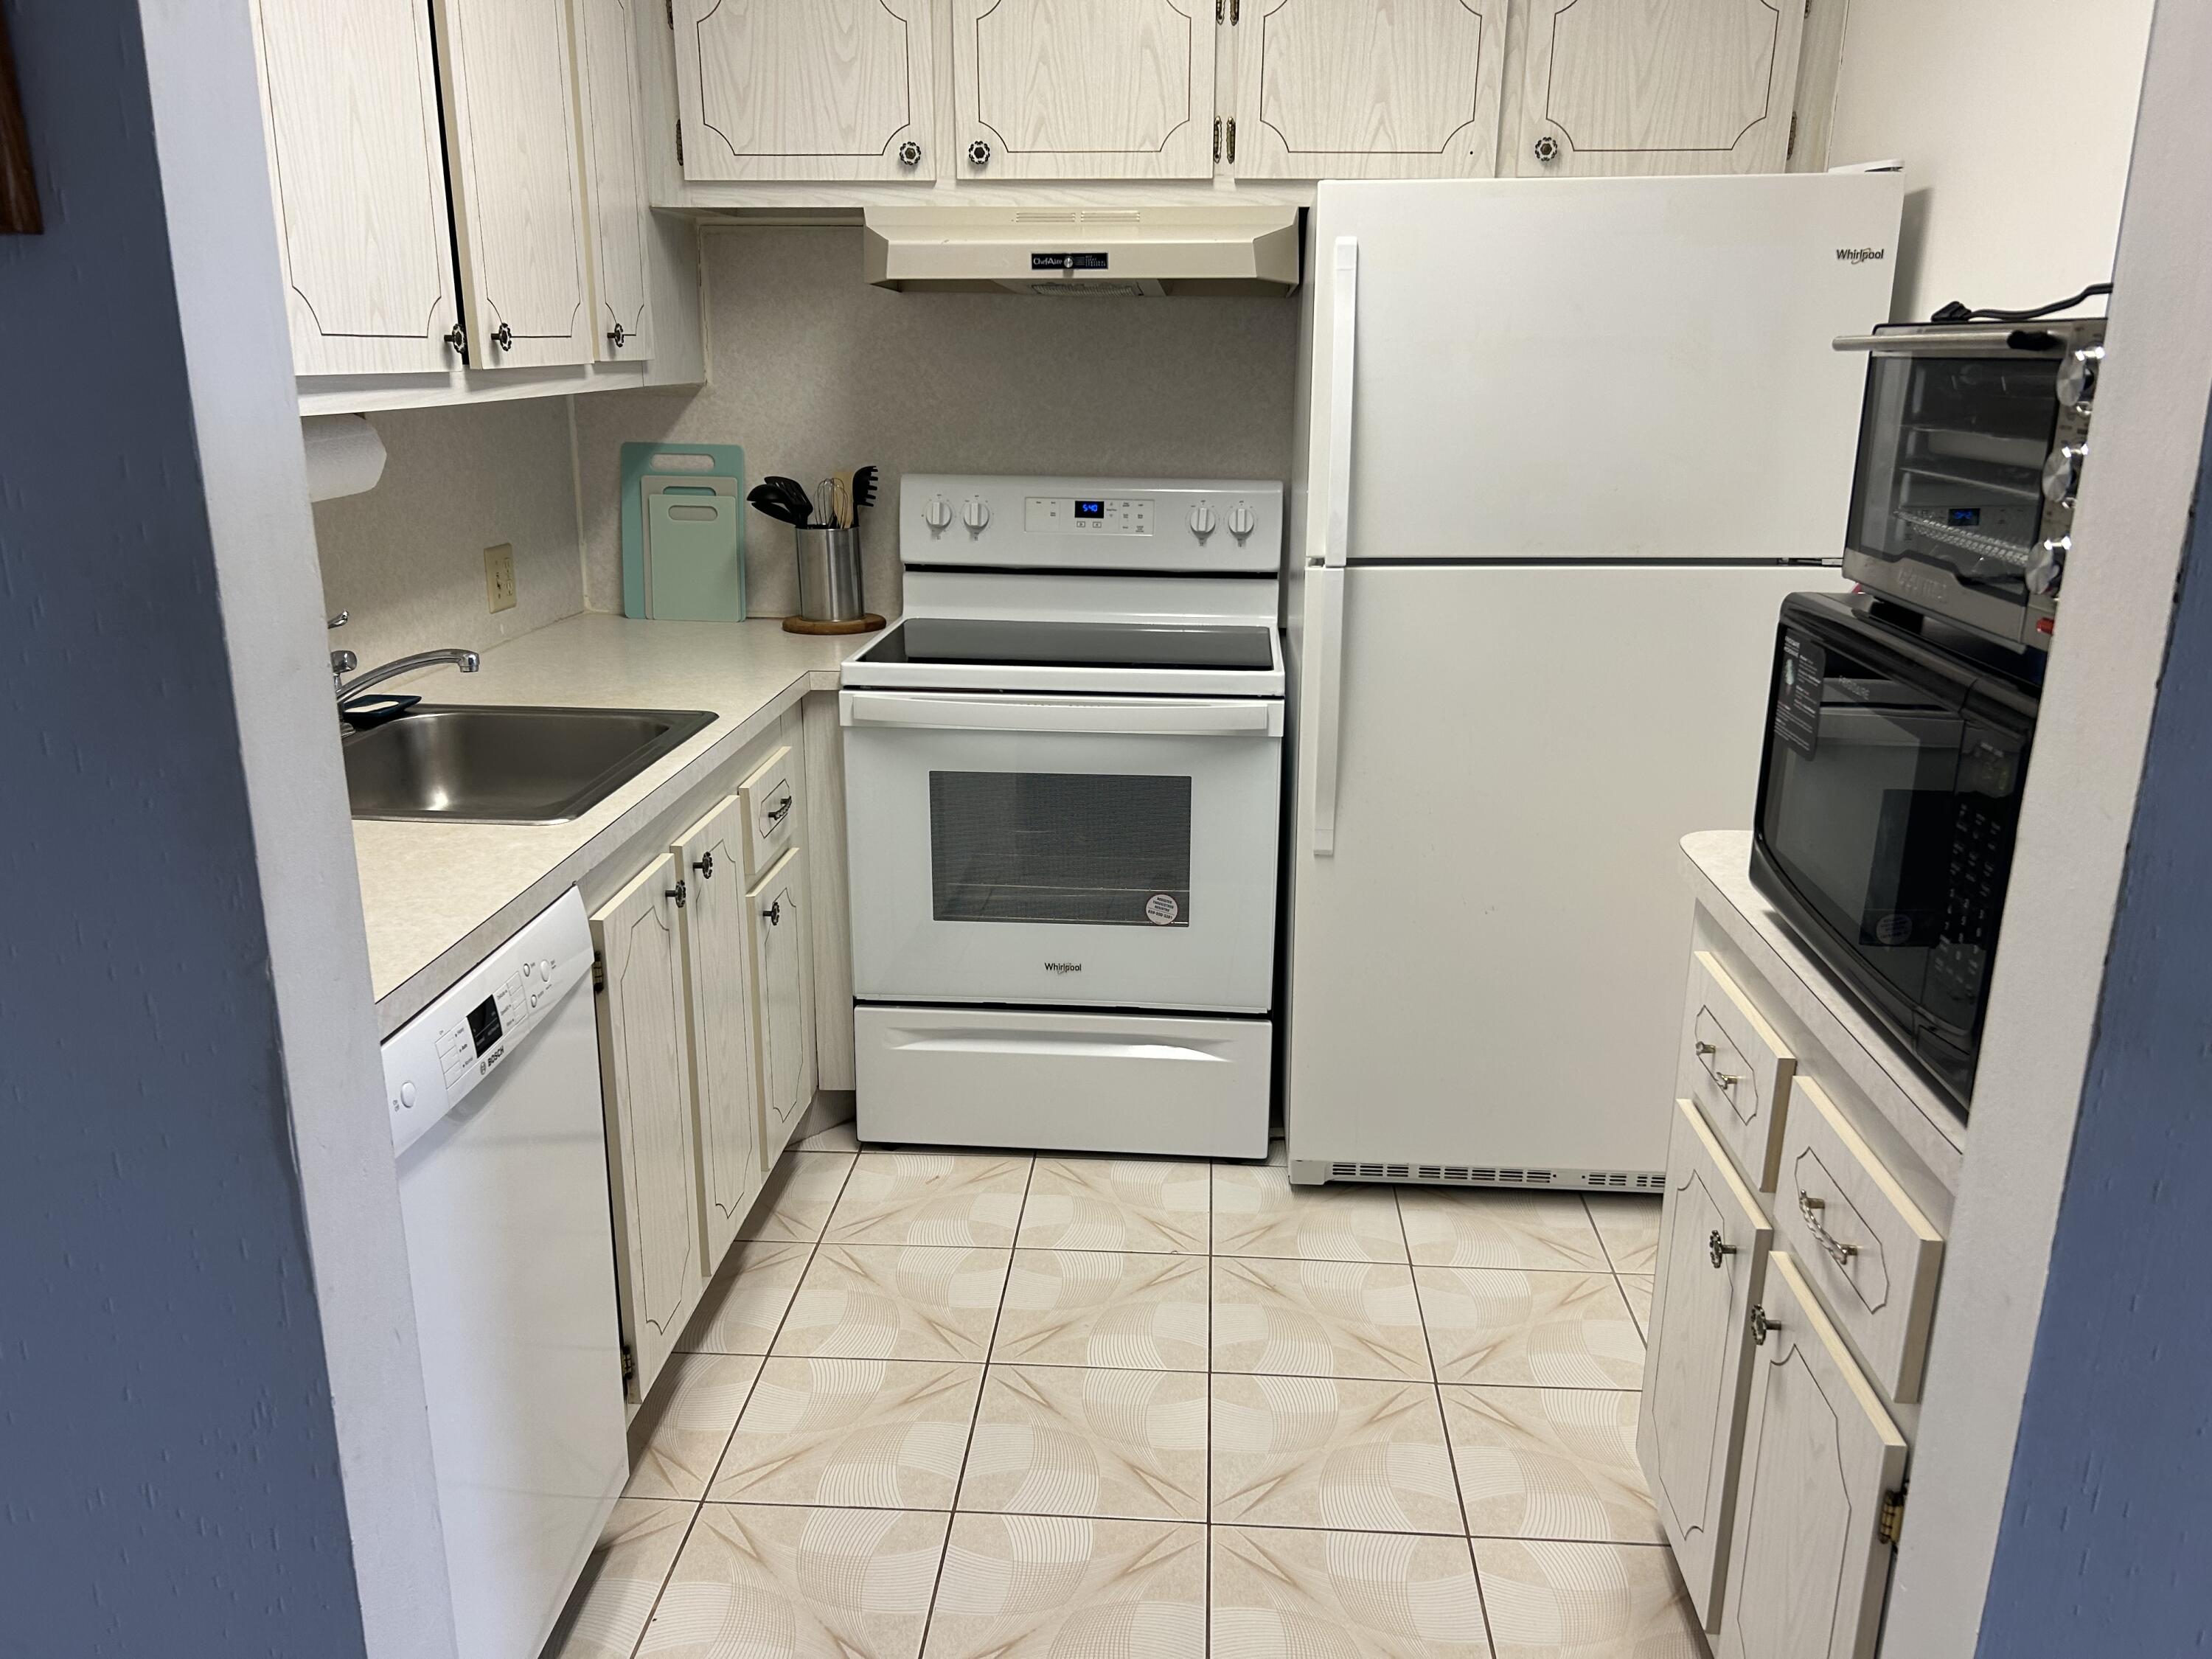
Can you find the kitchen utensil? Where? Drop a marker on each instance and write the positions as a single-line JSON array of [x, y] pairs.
[[649, 470], [795, 499], [841, 512], [864, 489], [827, 506], [765, 498], [830, 597]]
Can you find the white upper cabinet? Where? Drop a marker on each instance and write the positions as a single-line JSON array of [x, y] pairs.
[[805, 89], [349, 104], [614, 178], [519, 219], [1084, 89], [1368, 88], [1658, 86]]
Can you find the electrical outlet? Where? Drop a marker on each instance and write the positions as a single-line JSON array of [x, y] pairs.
[[499, 576]]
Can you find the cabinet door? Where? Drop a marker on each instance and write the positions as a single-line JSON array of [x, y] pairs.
[[1658, 86], [350, 108], [771, 89], [1713, 1243], [1809, 1560], [644, 1077], [716, 922], [517, 190], [1369, 88], [1084, 89], [614, 178], [782, 963]]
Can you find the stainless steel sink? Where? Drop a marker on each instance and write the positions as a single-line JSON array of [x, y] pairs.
[[492, 765]]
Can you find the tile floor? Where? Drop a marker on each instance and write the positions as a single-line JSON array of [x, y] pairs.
[[959, 1404]]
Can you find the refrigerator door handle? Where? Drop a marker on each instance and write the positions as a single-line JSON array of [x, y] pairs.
[[1326, 614]]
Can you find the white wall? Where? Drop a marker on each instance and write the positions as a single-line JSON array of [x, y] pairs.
[[2014, 118]]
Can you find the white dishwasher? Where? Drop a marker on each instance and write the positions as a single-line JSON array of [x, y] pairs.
[[493, 1093]]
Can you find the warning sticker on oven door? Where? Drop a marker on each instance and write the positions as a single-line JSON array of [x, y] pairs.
[[1161, 909]]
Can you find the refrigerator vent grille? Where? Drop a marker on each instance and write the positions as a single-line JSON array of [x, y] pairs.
[[1472, 1175]]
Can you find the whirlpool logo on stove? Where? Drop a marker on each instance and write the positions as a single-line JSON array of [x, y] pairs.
[[1063, 967]]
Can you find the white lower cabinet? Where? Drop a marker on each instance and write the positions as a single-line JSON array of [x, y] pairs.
[[1713, 1244], [717, 949], [782, 976], [645, 1084], [1818, 1494]]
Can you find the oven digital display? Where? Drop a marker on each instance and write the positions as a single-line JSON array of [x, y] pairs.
[[1090, 509], [483, 1024]]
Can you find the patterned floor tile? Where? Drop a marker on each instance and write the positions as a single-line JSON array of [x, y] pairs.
[[1551, 1600], [1551, 1329], [1629, 1225], [1054, 1440], [1257, 1212], [759, 1583], [931, 1198], [801, 1191], [1104, 1308], [894, 1302], [1551, 1463], [698, 1397], [1288, 1594], [746, 1302], [1447, 1229], [1317, 1319], [863, 1433], [837, 1138], [614, 1596], [1117, 1204], [1046, 1587], [1636, 1287], [1321, 1451]]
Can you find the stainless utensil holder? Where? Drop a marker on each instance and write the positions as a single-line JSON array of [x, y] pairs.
[[830, 574]]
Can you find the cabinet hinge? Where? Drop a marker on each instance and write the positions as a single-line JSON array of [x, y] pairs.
[[1792, 150], [1220, 10], [1235, 8], [1216, 138], [599, 975], [1889, 1524], [630, 1363], [679, 143], [1232, 138]]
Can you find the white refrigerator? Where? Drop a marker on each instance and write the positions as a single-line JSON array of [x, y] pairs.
[[1563, 448]]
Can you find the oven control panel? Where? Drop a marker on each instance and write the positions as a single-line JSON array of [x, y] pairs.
[[1181, 525]]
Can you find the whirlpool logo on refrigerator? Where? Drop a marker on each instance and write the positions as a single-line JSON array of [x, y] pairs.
[[1860, 256], [1063, 967]]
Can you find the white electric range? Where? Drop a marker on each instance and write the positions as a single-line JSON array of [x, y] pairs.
[[1063, 785]]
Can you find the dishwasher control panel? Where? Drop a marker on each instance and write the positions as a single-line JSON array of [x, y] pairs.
[[432, 1063]]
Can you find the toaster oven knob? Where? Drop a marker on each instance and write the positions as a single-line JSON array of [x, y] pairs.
[[2077, 376], [2046, 566], [937, 513], [2062, 472], [975, 515], [1202, 520]]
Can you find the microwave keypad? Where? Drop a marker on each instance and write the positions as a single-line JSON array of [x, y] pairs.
[[1978, 846]]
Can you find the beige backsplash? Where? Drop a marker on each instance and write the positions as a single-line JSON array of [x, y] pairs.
[[406, 559], [814, 371]]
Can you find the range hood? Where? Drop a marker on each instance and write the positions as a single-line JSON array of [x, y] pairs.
[[1088, 252]]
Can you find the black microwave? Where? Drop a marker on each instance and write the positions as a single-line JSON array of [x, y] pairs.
[[1889, 795]]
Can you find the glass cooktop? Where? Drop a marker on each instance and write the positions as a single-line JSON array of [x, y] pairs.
[[966, 642]]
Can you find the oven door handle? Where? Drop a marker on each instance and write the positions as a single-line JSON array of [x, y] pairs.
[[1182, 717]]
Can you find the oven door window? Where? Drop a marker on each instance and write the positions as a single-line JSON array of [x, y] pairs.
[[1950, 467], [1860, 804], [1101, 849]]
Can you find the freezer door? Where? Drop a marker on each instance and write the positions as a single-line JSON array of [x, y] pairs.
[[1488, 969], [1600, 368]]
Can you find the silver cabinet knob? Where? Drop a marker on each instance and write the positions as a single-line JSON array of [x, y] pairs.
[[457, 340], [503, 337], [909, 154], [979, 154], [1547, 149], [616, 335], [1717, 1252]]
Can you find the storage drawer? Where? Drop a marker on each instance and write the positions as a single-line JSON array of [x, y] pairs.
[[1713, 1241], [1868, 1252], [770, 794], [1820, 1495], [1083, 1083], [1738, 1070]]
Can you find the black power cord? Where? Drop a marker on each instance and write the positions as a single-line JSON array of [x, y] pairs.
[[1959, 312]]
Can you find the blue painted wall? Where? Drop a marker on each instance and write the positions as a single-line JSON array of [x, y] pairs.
[[2106, 1542], [168, 1467]]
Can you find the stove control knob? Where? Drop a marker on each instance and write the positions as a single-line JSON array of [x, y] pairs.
[[1241, 521], [936, 512], [1202, 520], [2046, 566], [2062, 472], [2077, 376], [975, 515]]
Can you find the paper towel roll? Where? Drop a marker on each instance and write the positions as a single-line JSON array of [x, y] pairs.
[[345, 457]]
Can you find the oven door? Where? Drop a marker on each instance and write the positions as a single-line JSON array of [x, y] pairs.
[[1108, 852]]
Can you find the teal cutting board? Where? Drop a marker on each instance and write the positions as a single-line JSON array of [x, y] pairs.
[[694, 557], [686, 469]]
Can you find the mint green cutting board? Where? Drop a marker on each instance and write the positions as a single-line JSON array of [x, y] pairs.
[[693, 565], [651, 469]]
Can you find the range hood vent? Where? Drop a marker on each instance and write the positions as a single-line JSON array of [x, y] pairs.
[[1085, 253]]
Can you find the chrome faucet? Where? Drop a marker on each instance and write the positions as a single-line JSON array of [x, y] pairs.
[[466, 661]]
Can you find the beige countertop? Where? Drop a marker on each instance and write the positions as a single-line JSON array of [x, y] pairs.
[[1717, 865], [439, 897]]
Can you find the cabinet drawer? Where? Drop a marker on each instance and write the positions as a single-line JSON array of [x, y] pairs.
[[1713, 1241], [770, 795], [1823, 1466], [1868, 1252], [1738, 1070]]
